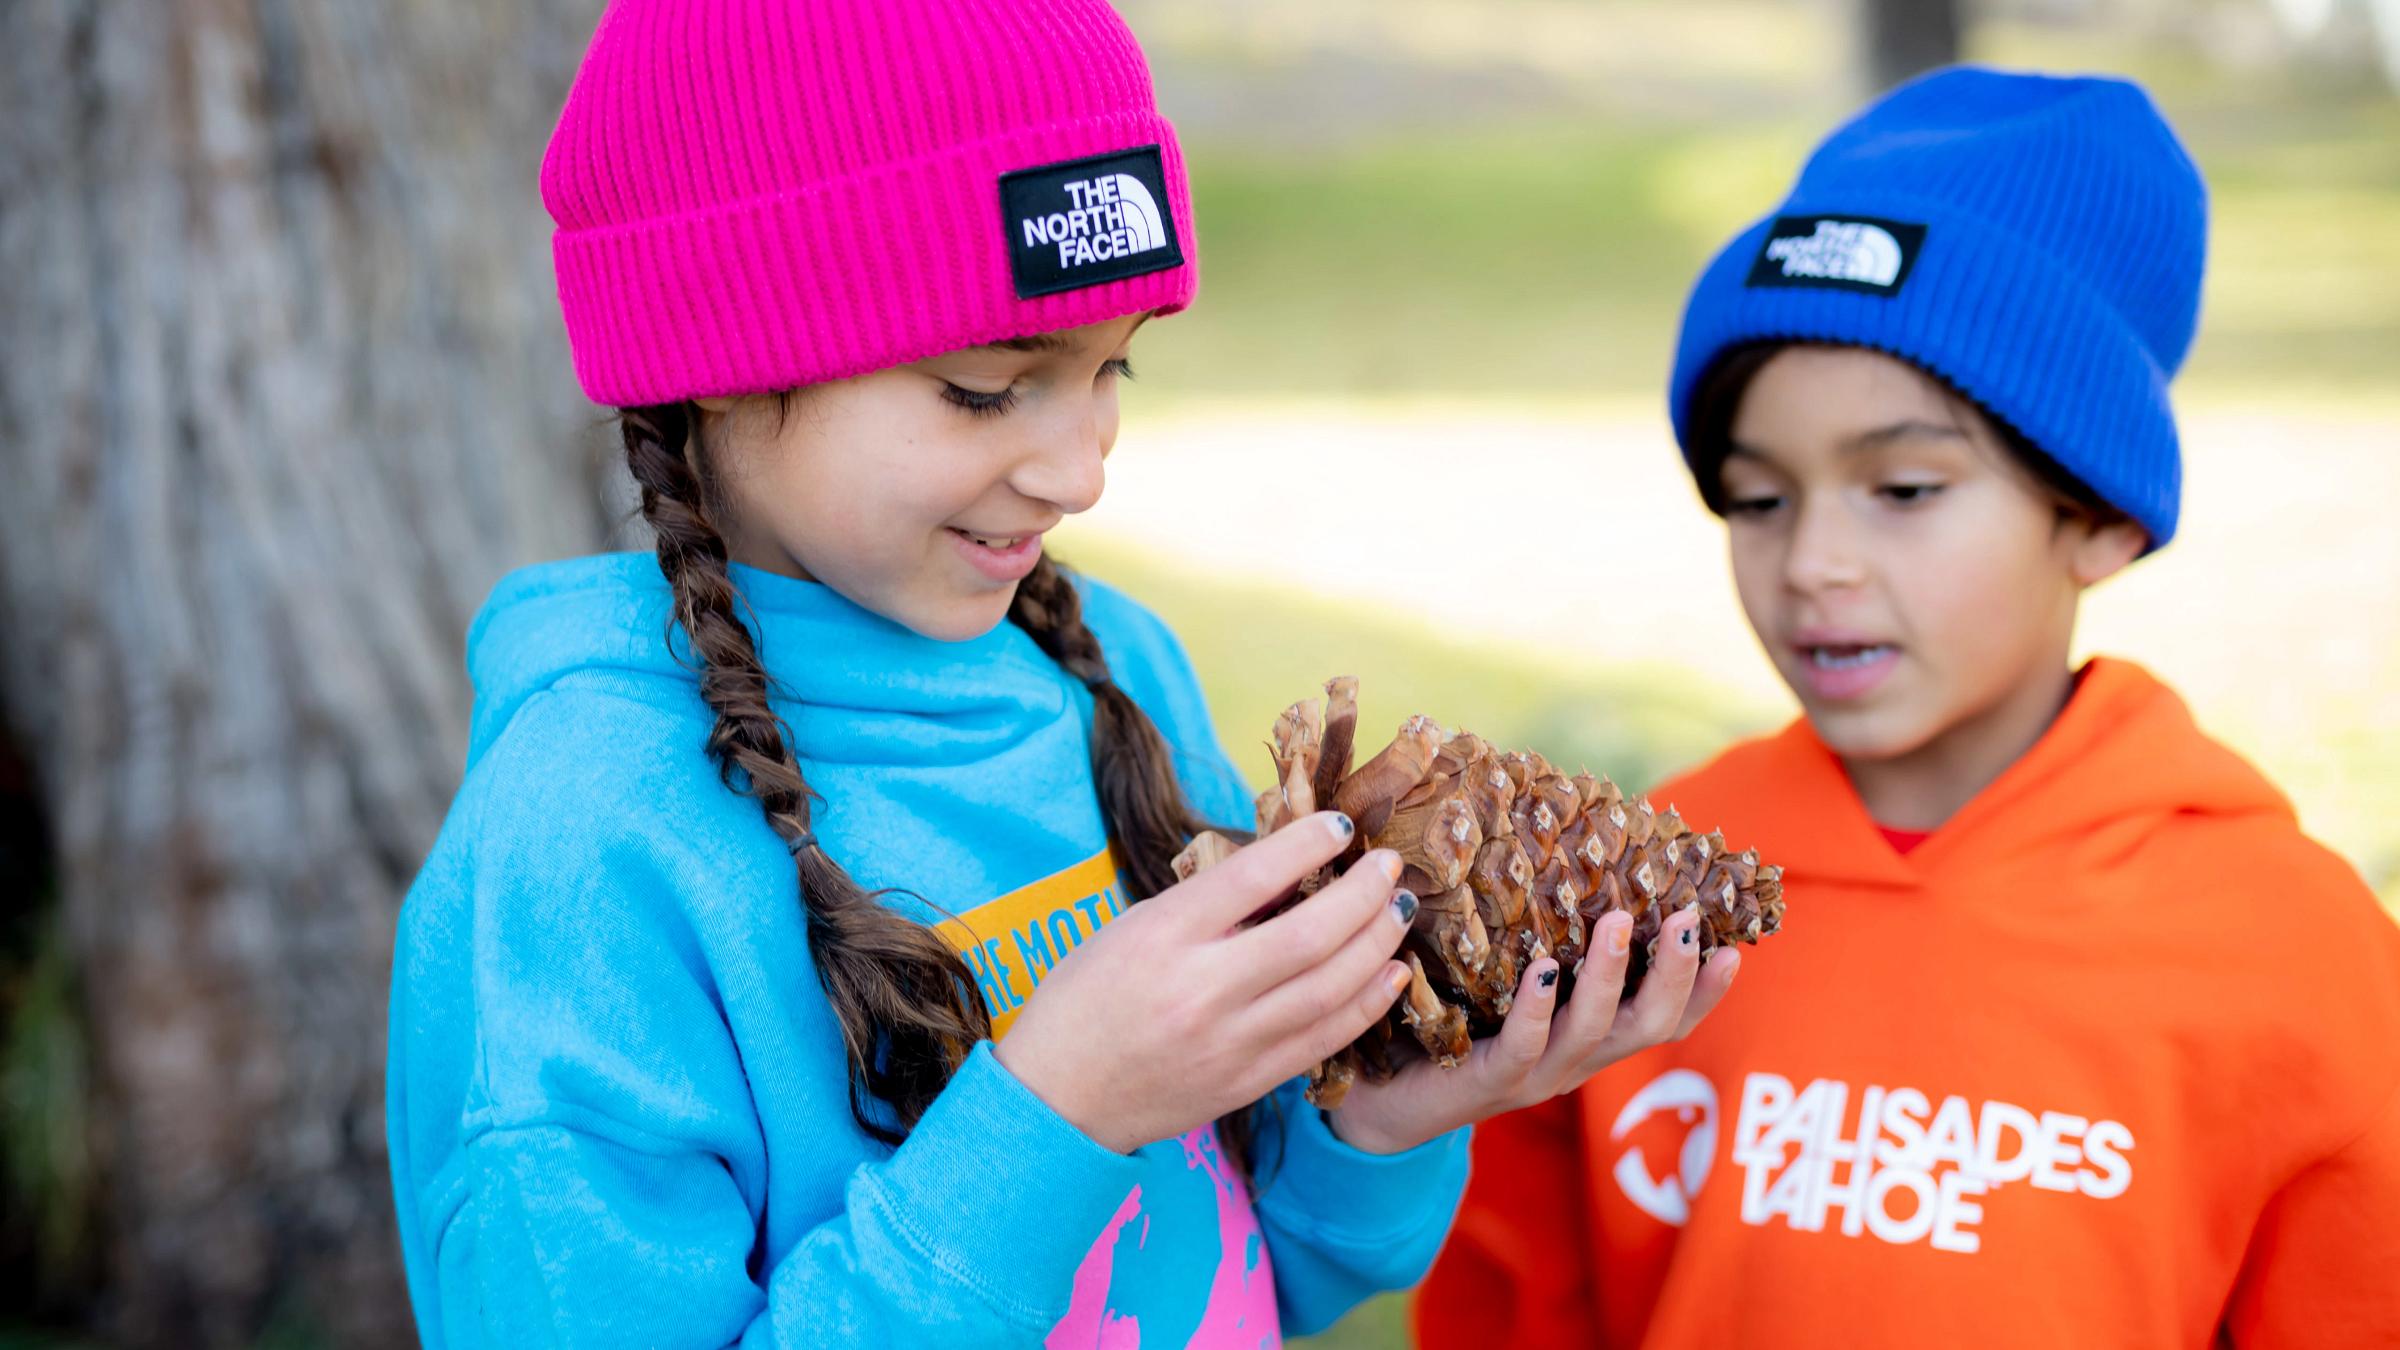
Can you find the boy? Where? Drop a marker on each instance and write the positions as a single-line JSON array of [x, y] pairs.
[[2072, 1037]]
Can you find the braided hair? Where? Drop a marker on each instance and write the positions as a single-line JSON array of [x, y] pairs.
[[908, 1008]]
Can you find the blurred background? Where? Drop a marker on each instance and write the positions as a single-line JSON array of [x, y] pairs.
[[285, 392]]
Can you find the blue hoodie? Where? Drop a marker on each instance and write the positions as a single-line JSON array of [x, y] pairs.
[[618, 1105]]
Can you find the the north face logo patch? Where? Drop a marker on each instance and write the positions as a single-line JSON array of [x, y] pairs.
[[1087, 221], [1851, 253]]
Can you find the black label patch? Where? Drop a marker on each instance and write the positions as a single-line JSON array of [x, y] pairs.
[[1088, 221], [1843, 253]]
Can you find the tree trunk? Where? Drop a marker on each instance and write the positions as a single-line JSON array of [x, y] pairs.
[[1905, 38], [284, 391]]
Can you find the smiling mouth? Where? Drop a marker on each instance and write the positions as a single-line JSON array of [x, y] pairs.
[[999, 543]]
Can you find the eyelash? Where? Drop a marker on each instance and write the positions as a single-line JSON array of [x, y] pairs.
[[1899, 494], [977, 403]]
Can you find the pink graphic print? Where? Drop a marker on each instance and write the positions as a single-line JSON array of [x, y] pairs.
[[1241, 1296], [1088, 1321]]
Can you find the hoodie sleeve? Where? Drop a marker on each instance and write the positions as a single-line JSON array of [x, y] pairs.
[[578, 1230], [609, 1187], [1343, 1225], [2319, 1268]]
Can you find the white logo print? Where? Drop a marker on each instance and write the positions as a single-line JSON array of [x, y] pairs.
[[1111, 216], [1891, 1164], [1694, 1102], [1841, 250]]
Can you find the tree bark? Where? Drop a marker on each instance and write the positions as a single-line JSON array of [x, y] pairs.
[[284, 391], [1906, 38]]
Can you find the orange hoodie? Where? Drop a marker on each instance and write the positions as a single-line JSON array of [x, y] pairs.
[[2112, 1059]]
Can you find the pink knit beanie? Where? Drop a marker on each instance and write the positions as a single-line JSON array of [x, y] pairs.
[[753, 195]]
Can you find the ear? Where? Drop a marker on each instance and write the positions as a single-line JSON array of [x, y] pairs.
[[2106, 549]]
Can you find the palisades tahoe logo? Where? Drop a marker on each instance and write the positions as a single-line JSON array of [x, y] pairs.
[[1889, 1163], [1011, 943], [1845, 253], [1087, 221]]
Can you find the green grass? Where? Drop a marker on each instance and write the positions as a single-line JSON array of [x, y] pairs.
[[1497, 260], [1551, 259], [1377, 1324], [47, 1169]]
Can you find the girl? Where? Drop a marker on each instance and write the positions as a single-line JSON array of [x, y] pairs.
[[2075, 1038], [685, 1047]]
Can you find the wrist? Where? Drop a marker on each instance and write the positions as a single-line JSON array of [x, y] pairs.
[[1033, 1073], [1366, 1135]]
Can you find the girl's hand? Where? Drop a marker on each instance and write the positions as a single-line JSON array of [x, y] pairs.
[[1537, 1056], [1168, 1017]]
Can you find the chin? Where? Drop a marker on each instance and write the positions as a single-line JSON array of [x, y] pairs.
[[1870, 733], [964, 618]]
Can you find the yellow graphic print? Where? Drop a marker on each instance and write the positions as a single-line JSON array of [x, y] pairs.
[[1012, 942]]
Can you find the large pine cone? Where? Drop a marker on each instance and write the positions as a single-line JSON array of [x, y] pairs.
[[1511, 860]]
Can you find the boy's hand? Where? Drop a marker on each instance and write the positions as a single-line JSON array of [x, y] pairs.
[[1537, 1055]]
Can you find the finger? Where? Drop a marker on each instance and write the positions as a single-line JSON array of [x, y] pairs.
[[1363, 1008], [1311, 931], [1717, 970], [1319, 990], [1658, 1009], [1261, 873], [1589, 1015], [1525, 1034]]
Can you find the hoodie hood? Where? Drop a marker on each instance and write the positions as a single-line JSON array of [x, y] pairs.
[[2123, 758], [894, 697]]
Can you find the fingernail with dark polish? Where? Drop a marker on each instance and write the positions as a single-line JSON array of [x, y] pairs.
[[1343, 826], [1686, 939], [1404, 904], [1549, 977]]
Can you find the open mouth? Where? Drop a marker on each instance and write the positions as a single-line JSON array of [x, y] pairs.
[[998, 543], [1847, 656], [1842, 671], [1000, 557]]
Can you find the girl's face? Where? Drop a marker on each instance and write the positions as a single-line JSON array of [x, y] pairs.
[[922, 492], [1908, 577]]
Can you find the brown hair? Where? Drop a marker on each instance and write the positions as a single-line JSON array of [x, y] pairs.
[[908, 1008], [1717, 403]]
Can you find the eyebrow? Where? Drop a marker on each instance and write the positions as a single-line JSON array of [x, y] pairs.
[[1874, 439], [1900, 431]]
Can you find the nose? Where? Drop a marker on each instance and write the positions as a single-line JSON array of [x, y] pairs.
[[1822, 553], [1064, 465]]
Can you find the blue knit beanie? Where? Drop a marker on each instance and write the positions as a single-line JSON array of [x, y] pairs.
[[2035, 241]]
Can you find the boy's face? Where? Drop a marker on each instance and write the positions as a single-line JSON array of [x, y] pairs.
[[1907, 576]]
